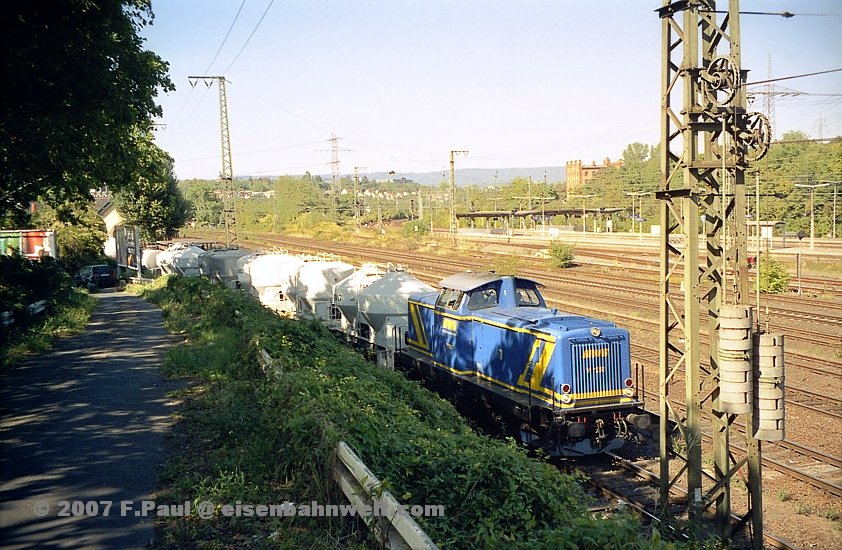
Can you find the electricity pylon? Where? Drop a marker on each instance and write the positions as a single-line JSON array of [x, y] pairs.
[[229, 198], [708, 141]]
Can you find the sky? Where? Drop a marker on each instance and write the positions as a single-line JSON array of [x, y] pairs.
[[401, 83]]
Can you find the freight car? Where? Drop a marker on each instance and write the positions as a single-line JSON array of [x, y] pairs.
[[565, 381]]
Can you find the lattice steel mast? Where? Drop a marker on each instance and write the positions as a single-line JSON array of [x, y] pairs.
[[707, 142], [229, 198], [454, 224]]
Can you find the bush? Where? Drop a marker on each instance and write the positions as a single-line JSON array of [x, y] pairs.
[[415, 228], [24, 282], [774, 277], [561, 255]]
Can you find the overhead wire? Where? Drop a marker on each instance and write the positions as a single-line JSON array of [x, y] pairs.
[[227, 34], [792, 77], [190, 93], [236, 57]]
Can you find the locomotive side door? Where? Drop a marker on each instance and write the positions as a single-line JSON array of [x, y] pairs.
[[453, 344]]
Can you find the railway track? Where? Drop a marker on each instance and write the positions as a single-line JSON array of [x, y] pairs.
[[797, 461], [627, 483], [791, 459]]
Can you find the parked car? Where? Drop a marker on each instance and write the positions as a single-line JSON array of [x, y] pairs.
[[97, 276]]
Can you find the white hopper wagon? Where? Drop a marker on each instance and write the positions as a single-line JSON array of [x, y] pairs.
[[244, 270], [345, 297], [383, 312], [149, 259], [313, 288], [220, 266], [272, 279], [180, 259]]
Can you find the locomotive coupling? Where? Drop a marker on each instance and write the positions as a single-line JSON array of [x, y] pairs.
[[639, 421]]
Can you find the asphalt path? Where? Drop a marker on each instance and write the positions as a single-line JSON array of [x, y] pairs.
[[85, 422]]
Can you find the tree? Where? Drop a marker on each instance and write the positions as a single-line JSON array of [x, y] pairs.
[[152, 199], [636, 153], [80, 232], [78, 88], [204, 207]]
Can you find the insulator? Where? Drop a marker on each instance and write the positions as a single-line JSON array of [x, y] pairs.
[[769, 403], [735, 370]]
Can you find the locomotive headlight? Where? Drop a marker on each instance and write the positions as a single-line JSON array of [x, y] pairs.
[[629, 391], [595, 332], [565, 394]]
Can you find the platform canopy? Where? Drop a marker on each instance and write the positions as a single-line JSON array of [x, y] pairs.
[[528, 213]]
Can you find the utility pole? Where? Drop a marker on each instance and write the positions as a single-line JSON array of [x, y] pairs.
[[356, 194], [583, 197], [835, 185], [229, 197], [812, 189], [703, 102], [639, 195], [769, 99], [453, 225]]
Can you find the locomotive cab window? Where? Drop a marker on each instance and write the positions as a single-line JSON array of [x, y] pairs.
[[483, 298], [528, 297], [450, 298]]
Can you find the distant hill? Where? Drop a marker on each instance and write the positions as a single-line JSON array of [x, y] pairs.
[[477, 176]]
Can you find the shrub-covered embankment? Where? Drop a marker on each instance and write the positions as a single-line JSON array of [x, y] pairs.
[[246, 438], [24, 282]]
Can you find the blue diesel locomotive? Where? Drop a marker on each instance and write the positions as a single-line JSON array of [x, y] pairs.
[[564, 380]]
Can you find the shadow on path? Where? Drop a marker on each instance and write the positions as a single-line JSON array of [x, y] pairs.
[[85, 422]]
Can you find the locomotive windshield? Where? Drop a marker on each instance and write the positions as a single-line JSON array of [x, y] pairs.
[[483, 298], [527, 296], [450, 298]]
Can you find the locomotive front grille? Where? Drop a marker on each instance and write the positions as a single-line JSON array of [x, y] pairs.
[[597, 369]]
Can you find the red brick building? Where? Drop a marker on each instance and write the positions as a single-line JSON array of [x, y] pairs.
[[578, 175]]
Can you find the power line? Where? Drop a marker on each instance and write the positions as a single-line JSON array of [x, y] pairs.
[[791, 77], [190, 93], [243, 3], [249, 38]]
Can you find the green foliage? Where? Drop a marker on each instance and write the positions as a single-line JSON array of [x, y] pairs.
[[415, 229], [80, 233], [506, 264], [801, 162], [774, 277], [830, 513], [83, 86], [152, 198], [275, 439], [23, 282], [203, 206], [561, 255]]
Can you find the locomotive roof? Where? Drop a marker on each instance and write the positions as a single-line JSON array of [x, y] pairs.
[[469, 280]]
